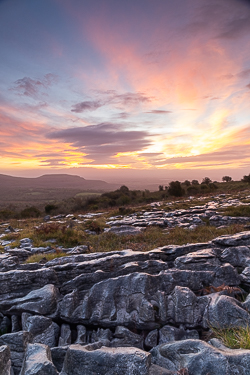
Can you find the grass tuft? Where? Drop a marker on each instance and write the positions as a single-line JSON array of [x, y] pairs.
[[38, 257], [234, 338], [237, 211]]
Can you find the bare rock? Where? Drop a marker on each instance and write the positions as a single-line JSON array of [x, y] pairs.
[[17, 342], [5, 362], [38, 361], [105, 361]]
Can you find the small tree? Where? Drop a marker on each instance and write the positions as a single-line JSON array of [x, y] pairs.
[[246, 178], [195, 182], [124, 189], [226, 178], [206, 180], [187, 183], [160, 187], [175, 189]]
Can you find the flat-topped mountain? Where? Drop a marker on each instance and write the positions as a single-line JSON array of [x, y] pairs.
[[54, 181], [37, 190]]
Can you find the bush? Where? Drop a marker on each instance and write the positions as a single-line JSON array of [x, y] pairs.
[[187, 183], [50, 207], [226, 178], [212, 186], [206, 180], [192, 190], [175, 189], [124, 189], [30, 212], [195, 182], [6, 214], [204, 187], [246, 178]]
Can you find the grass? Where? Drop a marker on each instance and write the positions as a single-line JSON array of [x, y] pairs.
[[237, 211], [38, 257], [234, 338], [147, 240]]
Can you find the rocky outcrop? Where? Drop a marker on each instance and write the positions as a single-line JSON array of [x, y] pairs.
[[126, 312], [199, 357]]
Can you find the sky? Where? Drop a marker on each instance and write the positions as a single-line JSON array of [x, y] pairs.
[[118, 89]]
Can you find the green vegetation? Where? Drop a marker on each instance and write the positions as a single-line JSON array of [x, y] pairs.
[[120, 198], [175, 189], [56, 235], [246, 178], [36, 258], [237, 211], [234, 338]]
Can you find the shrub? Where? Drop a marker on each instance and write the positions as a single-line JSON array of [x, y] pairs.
[[175, 189], [195, 182], [204, 187], [50, 207], [124, 189], [212, 186], [6, 214], [192, 190], [30, 212], [246, 178], [206, 180], [226, 178], [187, 183]]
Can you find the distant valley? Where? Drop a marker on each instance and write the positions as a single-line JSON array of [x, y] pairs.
[[26, 191]]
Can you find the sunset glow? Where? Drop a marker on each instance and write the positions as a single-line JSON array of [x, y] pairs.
[[125, 85]]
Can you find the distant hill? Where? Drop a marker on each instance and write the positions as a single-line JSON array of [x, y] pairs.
[[24, 191], [52, 181]]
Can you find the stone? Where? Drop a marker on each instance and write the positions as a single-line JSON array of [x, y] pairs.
[[157, 370], [152, 339], [237, 256], [185, 308], [124, 337], [18, 283], [124, 230], [65, 335], [238, 239], [5, 362], [17, 342], [15, 323], [105, 361], [169, 333], [5, 325], [42, 301], [199, 357], [200, 260], [224, 311], [58, 355], [38, 361], [43, 330], [81, 334]]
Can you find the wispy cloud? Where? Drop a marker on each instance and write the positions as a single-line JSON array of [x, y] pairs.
[[86, 106], [159, 112], [112, 97], [31, 87], [103, 140]]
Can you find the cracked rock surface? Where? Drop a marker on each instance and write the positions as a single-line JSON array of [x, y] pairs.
[[127, 312]]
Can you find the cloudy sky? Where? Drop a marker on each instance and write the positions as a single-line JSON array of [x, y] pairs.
[[97, 87]]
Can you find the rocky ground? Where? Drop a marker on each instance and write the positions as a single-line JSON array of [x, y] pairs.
[[128, 312]]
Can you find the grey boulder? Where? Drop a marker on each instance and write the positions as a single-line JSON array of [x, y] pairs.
[[5, 362], [199, 357], [38, 361], [106, 361]]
